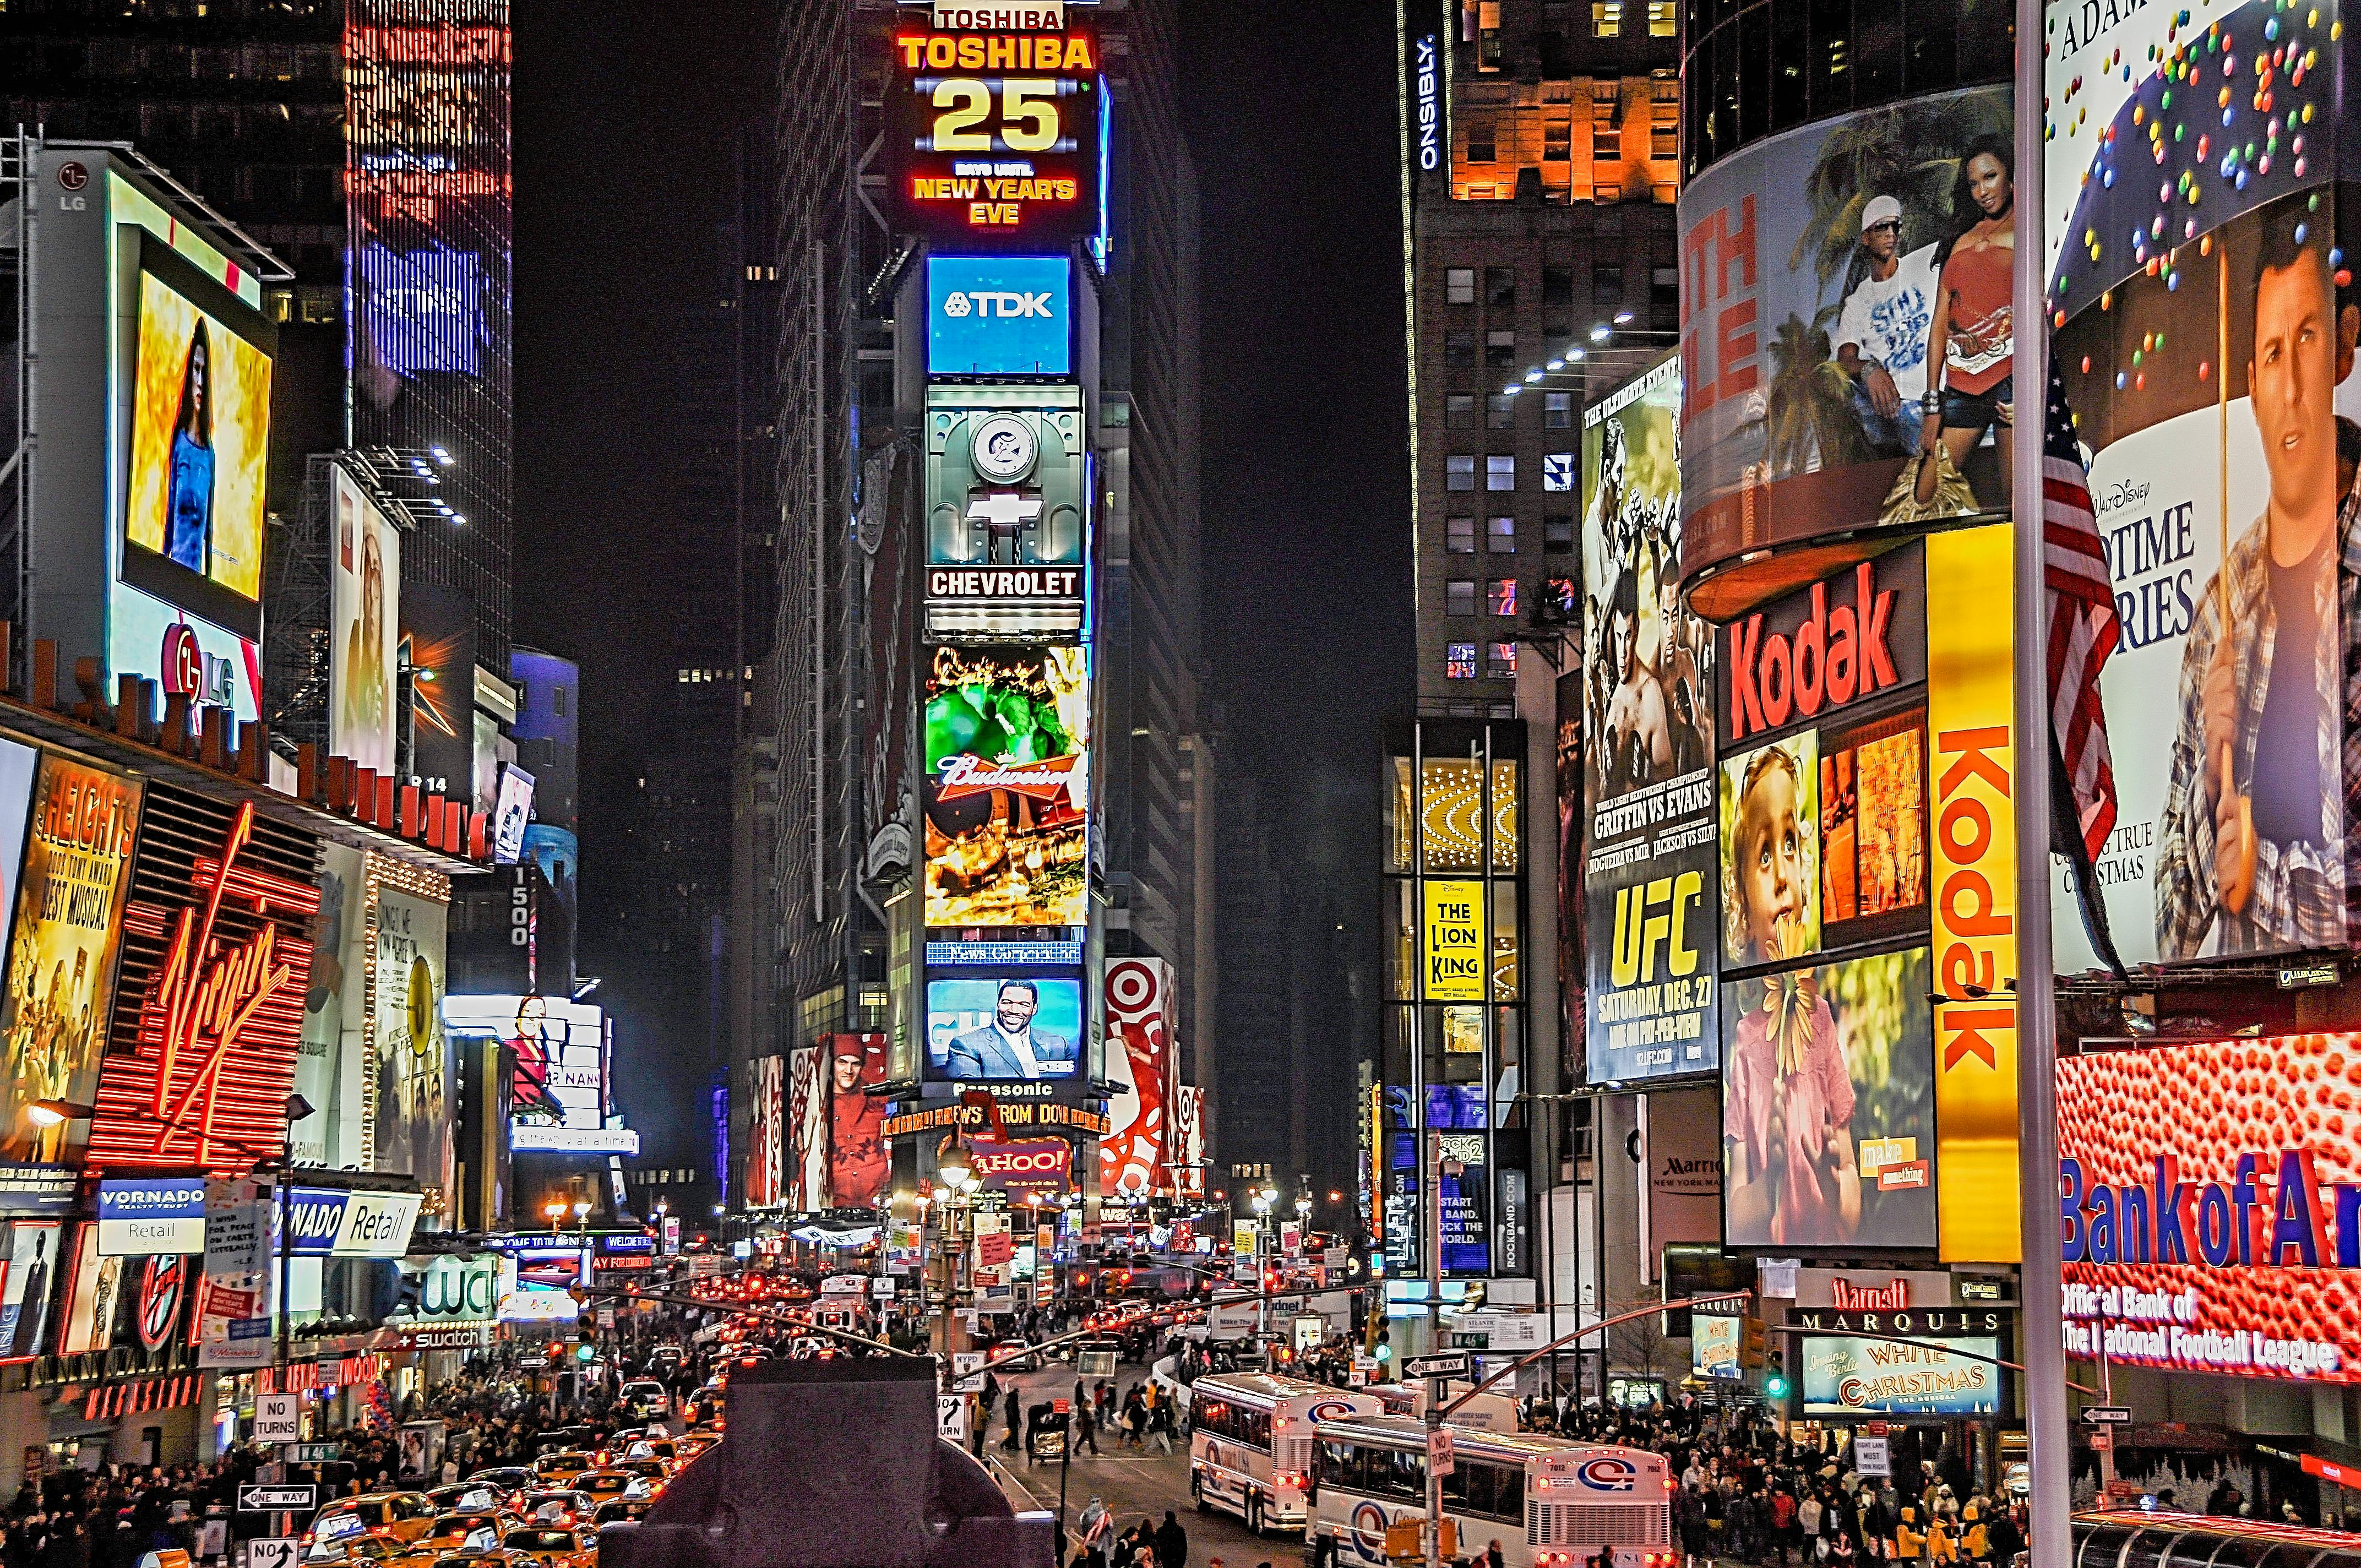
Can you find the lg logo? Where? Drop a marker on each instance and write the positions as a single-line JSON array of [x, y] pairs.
[[192, 672], [1005, 304]]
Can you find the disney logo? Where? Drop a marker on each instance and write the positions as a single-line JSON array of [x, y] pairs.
[[2119, 493]]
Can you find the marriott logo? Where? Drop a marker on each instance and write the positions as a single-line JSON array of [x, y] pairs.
[[1846, 1297]]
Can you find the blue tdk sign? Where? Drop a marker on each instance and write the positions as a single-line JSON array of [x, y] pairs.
[[999, 315]]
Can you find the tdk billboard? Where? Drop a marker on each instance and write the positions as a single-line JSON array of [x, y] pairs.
[[999, 315]]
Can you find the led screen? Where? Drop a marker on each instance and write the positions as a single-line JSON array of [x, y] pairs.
[[1007, 788], [1011, 1028], [561, 1070]]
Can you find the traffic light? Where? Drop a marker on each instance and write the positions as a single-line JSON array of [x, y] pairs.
[[1775, 1380], [1753, 1333]]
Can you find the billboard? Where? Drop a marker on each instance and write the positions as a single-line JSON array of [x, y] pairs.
[[438, 643], [1870, 1379], [1007, 511], [62, 946], [765, 1132], [28, 1286], [1810, 265], [1713, 1346], [416, 1102], [860, 1168], [144, 1219], [1647, 746], [1030, 1165], [199, 444], [1828, 1105], [1570, 967], [1008, 1028], [1134, 1159], [2211, 1206], [2212, 403], [1006, 792], [1000, 315], [804, 1136], [337, 964], [561, 1070], [994, 137], [364, 622], [511, 815]]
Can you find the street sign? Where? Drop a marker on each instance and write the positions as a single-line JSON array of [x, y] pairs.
[[1061, 1407], [967, 1367], [950, 1417], [273, 1552], [315, 1452], [1441, 1459], [1871, 1456], [277, 1417], [2102, 1441], [532, 1363], [2107, 1416], [1436, 1367], [277, 1499]]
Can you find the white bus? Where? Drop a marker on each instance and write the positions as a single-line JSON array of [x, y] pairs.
[[1250, 1443], [1549, 1503]]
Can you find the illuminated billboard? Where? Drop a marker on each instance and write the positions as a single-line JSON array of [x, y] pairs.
[[859, 1170], [1006, 791], [1000, 315], [1007, 504], [415, 1108], [364, 622], [561, 1070], [2211, 1206], [1135, 1161], [1647, 727], [1012, 1029], [1870, 1378], [766, 1132], [994, 137]]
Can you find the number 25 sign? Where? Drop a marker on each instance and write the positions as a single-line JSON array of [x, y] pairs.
[[993, 138]]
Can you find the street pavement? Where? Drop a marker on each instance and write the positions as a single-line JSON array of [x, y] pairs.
[[1138, 1484]]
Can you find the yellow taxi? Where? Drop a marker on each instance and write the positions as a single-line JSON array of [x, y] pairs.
[[562, 1469], [357, 1547], [689, 1444], [555, 1548], [476, 1531], [612, 1485], [400, 1517]]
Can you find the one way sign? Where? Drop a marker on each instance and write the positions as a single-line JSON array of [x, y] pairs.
[[277, 1499], [2108, 1416]]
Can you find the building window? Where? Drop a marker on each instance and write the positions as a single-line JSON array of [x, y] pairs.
[[1607, 18], [1557, 411], [1481, 147], [1500, 347], [1459, 410], [1459, 472], [1499, 411], [1459, 286], [1664, 295], [1500, 288], [1459, 596], [1606, 125], [1500, 597], [1557, 470], [1459, 350], [1557, 142], [1501, 471], [1459, 660], [1488, 49], [1459, 535], [1500, 661], [1606, 287], [1500, 535], [1557, 532], [1659, 19]]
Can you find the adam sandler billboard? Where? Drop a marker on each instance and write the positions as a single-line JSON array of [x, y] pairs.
[[2205, 334], [1647, 766]]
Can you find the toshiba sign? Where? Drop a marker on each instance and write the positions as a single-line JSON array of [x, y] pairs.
[[1035, 1165], [1853, 636]]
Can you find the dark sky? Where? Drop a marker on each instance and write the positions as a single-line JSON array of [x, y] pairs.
[[623, 113]]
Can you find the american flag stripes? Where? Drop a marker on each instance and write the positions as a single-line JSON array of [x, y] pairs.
[[2083, 630]]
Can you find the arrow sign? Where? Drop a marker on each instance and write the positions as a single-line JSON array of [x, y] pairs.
[[2107, 1416], [1436, 1367], [277, 1499]]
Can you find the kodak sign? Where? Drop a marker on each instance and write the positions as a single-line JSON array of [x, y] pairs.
[[1972, 769], [1850, 637]]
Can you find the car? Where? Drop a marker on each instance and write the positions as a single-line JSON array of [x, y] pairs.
[[605, 1485], [663, 1448], [561, 1469], [508, 1478], [689, 1444], [621, 1511], [655, 1472], [355, 1545], [646, 1397], [483, 1557], [465, 1532], [472, 1497], [555, 1548], [400, 1517]]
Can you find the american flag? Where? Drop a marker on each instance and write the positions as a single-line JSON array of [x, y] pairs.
[[2082, 625]]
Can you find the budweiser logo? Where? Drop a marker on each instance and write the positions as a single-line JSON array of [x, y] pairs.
[[1846, 1297], [1044, 781]]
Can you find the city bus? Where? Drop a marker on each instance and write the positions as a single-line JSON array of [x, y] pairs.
[[1250, 1443], [2131, 1538], [1548, 1502]]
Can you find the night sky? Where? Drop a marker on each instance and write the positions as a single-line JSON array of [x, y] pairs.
[[623, 113]]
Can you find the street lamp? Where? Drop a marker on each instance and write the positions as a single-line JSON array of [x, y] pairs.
[[955, 1168]]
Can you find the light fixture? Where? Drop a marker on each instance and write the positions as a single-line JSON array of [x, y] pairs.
[[440, 456], [720, 1209], [1574, 354], [581, 1210], [953, 1165], [1557, 364], [1600, 332], [57, 1113], [461, 521], [1533, 374], [1623, 318], [1512, 389], [298, 1108]]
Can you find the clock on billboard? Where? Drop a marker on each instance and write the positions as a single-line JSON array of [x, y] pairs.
[[992, 132]]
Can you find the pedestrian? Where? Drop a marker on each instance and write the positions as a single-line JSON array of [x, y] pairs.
[[1009, 1442], [1086, 1429], [1172, 1543], [1160, 1427], [1492, 1555]]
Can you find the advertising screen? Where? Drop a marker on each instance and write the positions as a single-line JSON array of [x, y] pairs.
[[1713, 1346], [1006, 792], [511, 814], [765, 1132], [1569, 870], [438, 643], [1007, 494], [1828, 1105], [860, 1168], [561, 1070], [999, 315], [425, 307], [1013, 1029], [2209, 1211], [364, 614], [1646, 722], [804, 1148], [200, 438], [994, 137], [1873, 1377], [62, 947], [1810, 267], [409, 1053], [1134, 1157], [28, 1287], [2197, 259], [1463, 1193]]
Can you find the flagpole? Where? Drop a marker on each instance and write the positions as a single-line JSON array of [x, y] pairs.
[[2041, 1307]]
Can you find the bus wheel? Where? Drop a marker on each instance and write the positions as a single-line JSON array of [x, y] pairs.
[[1197, 1491], [1254, 1513]]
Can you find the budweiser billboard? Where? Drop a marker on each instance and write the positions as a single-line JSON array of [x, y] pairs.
[[1007, 791]]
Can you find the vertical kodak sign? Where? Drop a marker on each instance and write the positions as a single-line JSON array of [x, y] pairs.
[[1972, 767], [1454, 941]]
